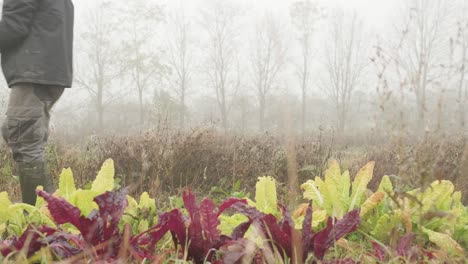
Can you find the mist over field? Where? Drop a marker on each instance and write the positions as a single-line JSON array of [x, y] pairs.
[[353, 67]]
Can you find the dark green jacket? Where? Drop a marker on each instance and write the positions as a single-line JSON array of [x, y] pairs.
[[36, 41]]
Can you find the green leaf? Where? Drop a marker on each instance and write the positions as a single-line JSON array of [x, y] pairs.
[[386, 185], [34, 214], [265, 195], [105, 179], [445, 242], [143, 225], [66, 184], [371, 203], [311, 192], [228, 223], [385, 224], [360, 183], [83, 200], [438, 195], [146, 202], [132, 207], [337, 189], [5, 203], [318, 217]]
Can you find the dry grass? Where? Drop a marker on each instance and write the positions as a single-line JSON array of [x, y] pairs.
[[164, 161]]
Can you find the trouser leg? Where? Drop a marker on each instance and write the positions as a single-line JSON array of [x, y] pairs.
[[26, 131]]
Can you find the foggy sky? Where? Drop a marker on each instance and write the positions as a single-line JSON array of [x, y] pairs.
[[377, 14]]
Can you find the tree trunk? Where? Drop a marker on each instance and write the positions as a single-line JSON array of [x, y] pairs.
[[182, 106], [262, 115], [304, 99], [142, 108], [100, 108], [461, 98]]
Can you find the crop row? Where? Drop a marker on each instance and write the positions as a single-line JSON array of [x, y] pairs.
[[340, 221]]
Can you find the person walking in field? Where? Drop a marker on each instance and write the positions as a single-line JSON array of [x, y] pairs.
[[36, 46]]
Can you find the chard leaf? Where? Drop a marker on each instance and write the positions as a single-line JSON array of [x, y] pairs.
[[132, 208], [101, 225], [229, 223], [386, 185], [209, 221], [385, 224], [84, 201], [64, 245], [279, 238], [307, 233], [334, 232], [445, 242], [360, 183], [371, 202], [111, 208], [5, 204], [379, 251], [228, 203], [312, 192], [405, 244], [197, 248], [327, 198], [31, 238], [338, 186], [265, 195], [66, 184], [63, 212], [143, 244], [146, 202], [439, 194], [35, 215], [105, 179]]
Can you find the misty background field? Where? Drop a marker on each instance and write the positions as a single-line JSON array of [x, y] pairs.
[[210, 93]]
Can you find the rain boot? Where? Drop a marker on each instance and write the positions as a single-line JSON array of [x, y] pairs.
[[31, 175]]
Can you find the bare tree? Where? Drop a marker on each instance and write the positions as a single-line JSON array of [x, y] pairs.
[[420, 53], [97, 64], [304, 15], [268, 57], [220, 20], [460, 65], [345, 62], [180, 57], [140, 55]]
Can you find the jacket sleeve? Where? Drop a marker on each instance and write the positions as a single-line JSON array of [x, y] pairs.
[[16, 21]]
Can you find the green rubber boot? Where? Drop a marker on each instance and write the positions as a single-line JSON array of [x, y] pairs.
[[31, 175]]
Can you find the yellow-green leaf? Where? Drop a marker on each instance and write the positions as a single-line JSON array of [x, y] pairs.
[[362, 179], [146, 202], [386, 185], [5, 203], [265, 195], [83, 200], [439, 194], [143, 225], [132, 206], [311, 192], [318, 217], [371, 202], [445, 242], [34, 214], [334, 189], [66, 184], [3, 228], [105, 179], [385, 224]]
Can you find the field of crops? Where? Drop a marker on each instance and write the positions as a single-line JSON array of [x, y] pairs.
[[351, 212]]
